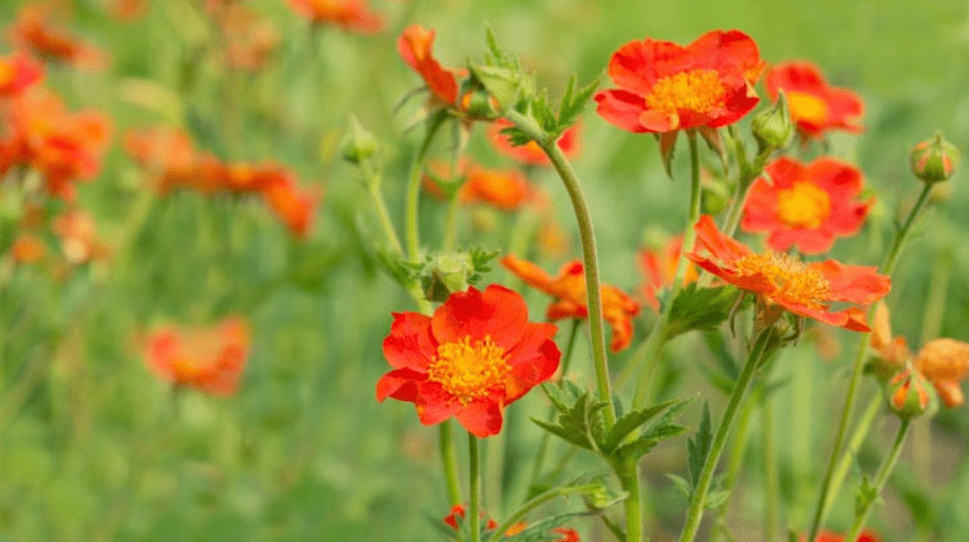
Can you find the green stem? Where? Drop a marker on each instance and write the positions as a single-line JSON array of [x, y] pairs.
[[546, 436], [771, 483], [846, 414], [745, 180], [851, 451], [589, 256], [384, 217], [414, 188], [695, 513], [474, 477], [629, 480], [450, 463], [534, 503], [883, 473], [451, 223], [734, 463]]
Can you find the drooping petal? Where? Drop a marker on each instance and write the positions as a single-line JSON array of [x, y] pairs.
[[622, 109]]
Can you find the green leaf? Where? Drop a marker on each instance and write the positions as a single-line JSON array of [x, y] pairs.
[[629, 423], [572, 106], [701, 309], [699, 446], [682, 485], [635, 449], [866, 496], [715, 499], [579, 439], [500, 81], [579, 423], [516, 136]]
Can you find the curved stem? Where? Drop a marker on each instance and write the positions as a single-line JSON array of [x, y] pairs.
[[449, 462], [883, 473], [517, 515], [745, 180], [474, 477], [887, 267], [384, 217], [414, 188], [695, 514]]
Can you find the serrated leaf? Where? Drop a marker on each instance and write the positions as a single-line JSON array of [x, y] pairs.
[[701, 309], [658, 429], [580, 440], [866, 495], [635, 449], [516, 136], [629, 423], [578, 423], [699, 446], [501, 82], [682, 485], [570, 110], [715, 499]]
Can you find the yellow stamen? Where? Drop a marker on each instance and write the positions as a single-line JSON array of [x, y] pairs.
[[695, 90], [795, 281], [804, 205], [467, 370], [807, 107]]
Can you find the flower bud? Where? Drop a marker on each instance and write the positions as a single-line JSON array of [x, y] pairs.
[[445, 274], [773, 128], [479, 105], [909, 394], [359, 144], [934, 160]]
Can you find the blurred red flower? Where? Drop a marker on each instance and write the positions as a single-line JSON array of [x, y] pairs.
[[78, 235], [664, 86], [458, 513], [659, 268], [36, 30], [829, 536], [210, 359], [806, 289], [806, 206], [351, 15], [568, 287], [415, 47], [292, 204], [816, 106], [507, 190], [17, 72], [250, 39], [530, 153], [477, 354]]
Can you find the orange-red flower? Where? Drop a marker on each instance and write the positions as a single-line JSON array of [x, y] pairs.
[[351, 15], [806, 206], [664, 86], [292, 204], [17, 72], [659, 266], [816, 106], [806, 289], [830, 536], [530, 153], [210, 359], [507, 190], [27, 249], [79, 239], [415, 46], [250, 40], [569, 291], [477, 354], [35, 30], [943, 362], [458, 513]]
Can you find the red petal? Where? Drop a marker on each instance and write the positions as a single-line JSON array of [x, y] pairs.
[[853, 283], [637, 65], [401, 384], [621, 108], [434, 405], [410, 344], [482, 418], [534, 360], [497, 312]]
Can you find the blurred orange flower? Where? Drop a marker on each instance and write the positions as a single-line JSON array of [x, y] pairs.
[[476, 355], [293, 205], [351, 15], [568, 287], [27, 249], [943, 362], [35, 30], [415, 47], [210, 359], [17, 72], [664, 86], [816, 106], [79, 240], [806, 205], [659, 268], [506, 190], [250, 40], [805, 289], [530, 153], [829, 536]]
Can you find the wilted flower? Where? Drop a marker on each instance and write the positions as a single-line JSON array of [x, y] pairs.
[[806, 206], [210, 359], [415, 47], [569, 291], [664, 86], [816, 106], [477, 354]]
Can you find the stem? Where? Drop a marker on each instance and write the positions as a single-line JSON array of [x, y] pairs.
[[474, 505], [734, 463], [629, 479], [883, 473], [414, 188], [451, 223], [589, 256], [854, 444], [384, 217], [449, 462], [695, 513], [887, 266], [517, 515], [771, 483], [745, 180], [546, 436]]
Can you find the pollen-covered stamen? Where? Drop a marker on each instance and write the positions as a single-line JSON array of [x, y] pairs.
[[795, 281], [804, 205], [807, 107], [694, 90], [469, 370]]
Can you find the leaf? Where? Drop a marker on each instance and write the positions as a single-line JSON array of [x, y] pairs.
[[715, 499], [516, 136], [681, 485], [571, 108], [701, 309], [699, 446], [635, 449], [576, 423], [629, 423], [866, 496], [579, 439], [501, 82]]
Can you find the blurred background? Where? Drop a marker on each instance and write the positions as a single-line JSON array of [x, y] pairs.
[[94, 446]]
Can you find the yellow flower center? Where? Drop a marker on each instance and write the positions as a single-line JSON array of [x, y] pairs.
[[804, 205], [807, 107], [469, 370], [695, 90], [7, 72], [795, 281]]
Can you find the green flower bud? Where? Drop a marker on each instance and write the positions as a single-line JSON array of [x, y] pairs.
[[359, 144], [445, 274], [910, 395], [934, 160], [773, 128]]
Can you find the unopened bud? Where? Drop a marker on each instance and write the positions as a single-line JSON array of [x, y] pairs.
[[359, 144], [773, 127], [934, 160], [909, 394], [479, 105], [445, 274]]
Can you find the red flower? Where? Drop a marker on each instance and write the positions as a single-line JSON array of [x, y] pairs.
[[458, 513], [250, 39], [351, 15], [507, 190], [35, 30], [293, 205], [829, 536], [415, 47], [806, 206], [806, 289], [568, 288], [665, 87], [208, 359], [17, 72], [659, 266], [530, 153], [477, 354], [816, 107]]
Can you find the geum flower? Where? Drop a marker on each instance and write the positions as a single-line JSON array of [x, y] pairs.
[[663, 86], [209, 359], [943, 362], [17, 72], [805, 289], [816, 106], [530, 153], [806, 206], [351, 15], [415, 46], [36, 30], [659, 269], [569, 290], [476, 355], [507, 190]]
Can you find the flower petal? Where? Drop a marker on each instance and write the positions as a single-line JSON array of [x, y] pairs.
[[482, 418], [401, 384], [622, 109], [410, 344], [497, 312]]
